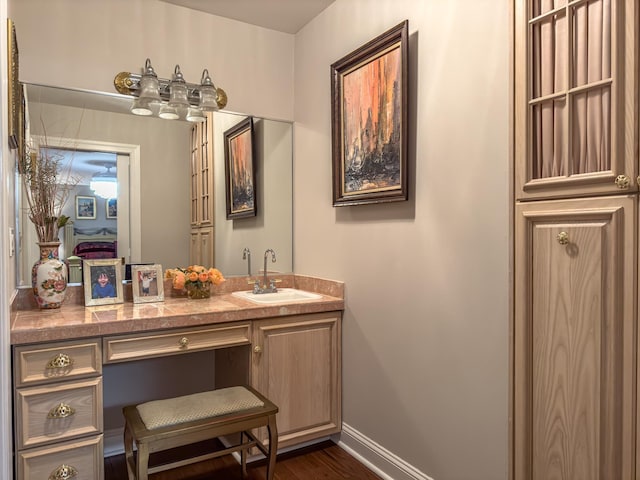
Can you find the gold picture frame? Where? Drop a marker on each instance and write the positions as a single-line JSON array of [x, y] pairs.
[[147, 283], [15, 93]]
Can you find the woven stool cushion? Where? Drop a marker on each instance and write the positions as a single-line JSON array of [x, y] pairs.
[[174, 411]]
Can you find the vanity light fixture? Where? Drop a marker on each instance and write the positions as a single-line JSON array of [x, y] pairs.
[[104, 184], [171, 99]]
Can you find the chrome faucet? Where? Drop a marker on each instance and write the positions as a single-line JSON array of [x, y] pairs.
[[268, 286], [246, 255]]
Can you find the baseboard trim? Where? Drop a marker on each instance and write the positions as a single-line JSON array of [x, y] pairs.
[[113, 442], [377, 458]]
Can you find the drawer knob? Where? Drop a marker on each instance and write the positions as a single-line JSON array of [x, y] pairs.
[[62, 360], [563, 238], [257, 349], [184, 342], [63, 472], [61, 411], [623, 182]]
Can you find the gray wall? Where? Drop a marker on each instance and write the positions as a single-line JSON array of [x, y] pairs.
[[425, 338]]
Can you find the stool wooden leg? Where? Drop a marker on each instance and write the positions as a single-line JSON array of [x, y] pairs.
[[272, 429], [243, 456], [142, 463], [128, 451]]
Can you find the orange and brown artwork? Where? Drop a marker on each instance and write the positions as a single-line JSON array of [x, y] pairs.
[[371, 124], [241, 178]]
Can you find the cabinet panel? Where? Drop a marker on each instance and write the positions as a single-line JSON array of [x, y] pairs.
[[82, 456], [574, 339], [57, 361], [576, 100], [130, 347], [202, 173], [202, 246], [296, 364], [52, 413]]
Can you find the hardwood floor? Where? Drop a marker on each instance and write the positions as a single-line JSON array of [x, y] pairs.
[[323, 461]]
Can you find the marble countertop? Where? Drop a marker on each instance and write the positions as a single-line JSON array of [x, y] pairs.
[[73, 320]]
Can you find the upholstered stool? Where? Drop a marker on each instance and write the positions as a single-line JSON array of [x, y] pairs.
[[163, 424]]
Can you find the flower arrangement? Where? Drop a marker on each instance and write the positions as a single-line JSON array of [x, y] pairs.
[[195, 279]]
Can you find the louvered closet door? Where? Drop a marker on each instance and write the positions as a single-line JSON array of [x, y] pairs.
[[575, 346], [576, 95]]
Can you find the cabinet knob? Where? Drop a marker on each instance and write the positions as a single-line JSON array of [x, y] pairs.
[[623, 182], [63, 472], [61, 411], [184, 342], [563, 238], [62, 360], [257, 349]]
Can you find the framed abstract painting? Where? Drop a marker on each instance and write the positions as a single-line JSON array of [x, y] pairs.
[[369, 121], [240, 170]]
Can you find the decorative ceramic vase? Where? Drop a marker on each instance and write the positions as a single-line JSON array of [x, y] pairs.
[[49, 277], [198, 290]]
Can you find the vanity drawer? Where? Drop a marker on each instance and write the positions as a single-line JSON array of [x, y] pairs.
[[56, 361], [83, 456], [44, 415], [128, 347]]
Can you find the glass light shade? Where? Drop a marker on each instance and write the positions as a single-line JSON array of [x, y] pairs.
[[104, 187], [195, 115], [208, 99], [208, 93], [178, 93], [141, 106], [149, 85], [150, 88], [168, 112]]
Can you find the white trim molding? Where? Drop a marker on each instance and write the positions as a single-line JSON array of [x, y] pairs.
[[375, 457]]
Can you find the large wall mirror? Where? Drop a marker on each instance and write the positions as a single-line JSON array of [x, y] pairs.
[[150, 157]]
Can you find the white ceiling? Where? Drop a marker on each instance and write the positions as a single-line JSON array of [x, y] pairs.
[[287, 16]]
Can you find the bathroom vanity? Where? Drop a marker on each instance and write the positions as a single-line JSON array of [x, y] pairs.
[[289, 351]]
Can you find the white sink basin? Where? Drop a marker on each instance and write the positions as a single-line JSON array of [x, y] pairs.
[[283, 295]]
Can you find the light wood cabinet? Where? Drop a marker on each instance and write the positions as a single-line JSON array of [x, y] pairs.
[[296, 364], [294, 360], [202, 206], [576, 98], [58, 410], [575, 331], [575, 346]]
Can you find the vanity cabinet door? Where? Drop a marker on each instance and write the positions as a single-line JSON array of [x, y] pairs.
[[296, 364]]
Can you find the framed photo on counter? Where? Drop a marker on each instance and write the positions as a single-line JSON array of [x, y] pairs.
[[102, 281], [147, 283]]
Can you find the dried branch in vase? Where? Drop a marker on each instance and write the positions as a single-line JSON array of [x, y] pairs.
[[47, 185]]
